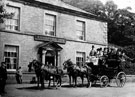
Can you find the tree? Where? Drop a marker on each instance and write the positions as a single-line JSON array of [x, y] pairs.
[[3, 13], [123, 26]]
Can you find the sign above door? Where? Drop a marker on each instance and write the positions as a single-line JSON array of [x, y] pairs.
[[49, 39]]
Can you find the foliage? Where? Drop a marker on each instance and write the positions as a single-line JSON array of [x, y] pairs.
[[129, 69], [130, 51], [4, 14]]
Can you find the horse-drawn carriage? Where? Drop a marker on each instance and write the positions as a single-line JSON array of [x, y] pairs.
[[104, 70], [95, 69]]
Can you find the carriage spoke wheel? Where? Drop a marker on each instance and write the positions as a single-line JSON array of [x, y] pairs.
[[104, 81], [121, 79]]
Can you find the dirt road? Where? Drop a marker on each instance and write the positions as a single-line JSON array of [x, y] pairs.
[[30, 90]]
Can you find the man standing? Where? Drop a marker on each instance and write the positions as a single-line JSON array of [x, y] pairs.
[[19, 76], [92, 52], [3, 77]]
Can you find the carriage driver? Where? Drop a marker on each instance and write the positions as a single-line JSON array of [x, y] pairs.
[[92, 52]]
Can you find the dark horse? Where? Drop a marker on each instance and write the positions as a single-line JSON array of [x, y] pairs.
[[44, 72], [74, 71]]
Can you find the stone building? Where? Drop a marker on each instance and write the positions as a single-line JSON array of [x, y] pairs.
[[50, 31]]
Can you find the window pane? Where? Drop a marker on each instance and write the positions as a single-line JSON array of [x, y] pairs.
[[50, 25], [15, 61], [15, 54], [7, 60], [13, 23], [14, 66], [10, 56], [5, 54], [80, 30], [8, 66], [80, 56]]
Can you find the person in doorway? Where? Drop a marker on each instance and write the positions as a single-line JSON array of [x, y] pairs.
[[3, 77], [19, 76]]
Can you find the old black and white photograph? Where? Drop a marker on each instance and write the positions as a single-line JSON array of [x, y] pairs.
[[67, 48]]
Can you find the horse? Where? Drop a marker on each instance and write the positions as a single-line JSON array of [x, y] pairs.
[[54, 72], [74, 71], [44, 72]]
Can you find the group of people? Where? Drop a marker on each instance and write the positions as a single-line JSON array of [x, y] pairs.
[[108, 53]]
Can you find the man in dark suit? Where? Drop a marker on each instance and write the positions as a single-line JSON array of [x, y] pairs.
[[3, 77]]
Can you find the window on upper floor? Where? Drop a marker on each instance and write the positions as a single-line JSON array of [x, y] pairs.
[[80, 30], [13, 23], [50, 25], [80, 58], [11, 56]]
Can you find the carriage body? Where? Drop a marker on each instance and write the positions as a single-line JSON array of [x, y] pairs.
[[106, 70]]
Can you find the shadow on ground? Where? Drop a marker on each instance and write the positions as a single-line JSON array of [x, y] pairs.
[[37, 88], [83, 86], [63, 86]]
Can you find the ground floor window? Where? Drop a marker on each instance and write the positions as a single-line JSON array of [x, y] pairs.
[[11, 54], [80, 58]]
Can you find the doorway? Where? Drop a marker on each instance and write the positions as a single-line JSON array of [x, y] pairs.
[[50, 57], [50, 60]]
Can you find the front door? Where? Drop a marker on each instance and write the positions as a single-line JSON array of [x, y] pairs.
[[50, 60], [50, 57]]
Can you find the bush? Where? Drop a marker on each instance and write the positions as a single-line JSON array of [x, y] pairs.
[[130, 51], [129, 69]]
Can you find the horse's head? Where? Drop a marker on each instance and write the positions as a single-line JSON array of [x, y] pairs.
[[36, 64], [67, 64]]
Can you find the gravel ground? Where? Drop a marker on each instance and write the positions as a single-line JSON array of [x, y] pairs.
[[30, 90]]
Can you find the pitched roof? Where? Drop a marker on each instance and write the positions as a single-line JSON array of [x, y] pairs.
[[59, 6], [50, 44], [64, 5]]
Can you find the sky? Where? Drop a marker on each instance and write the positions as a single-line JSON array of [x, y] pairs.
[[124, 4]]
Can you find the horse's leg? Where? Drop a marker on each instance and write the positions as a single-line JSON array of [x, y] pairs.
[[75, 81], [69, 80], [89, 81], [56, 81], [53, 80], [42, 81], [49, 82], [82, 77], [38, 82], [60, 80]]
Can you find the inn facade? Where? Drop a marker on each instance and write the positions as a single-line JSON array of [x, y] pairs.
[[50, 31]]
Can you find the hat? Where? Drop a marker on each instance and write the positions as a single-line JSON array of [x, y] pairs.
[[3, 64]]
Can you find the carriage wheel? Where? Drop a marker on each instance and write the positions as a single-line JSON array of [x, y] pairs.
[[121, 79], [104, 81]]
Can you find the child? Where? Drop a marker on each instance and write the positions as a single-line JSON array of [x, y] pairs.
[[19, 76]]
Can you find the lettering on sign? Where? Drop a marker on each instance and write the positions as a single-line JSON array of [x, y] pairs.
[[47, 38]]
